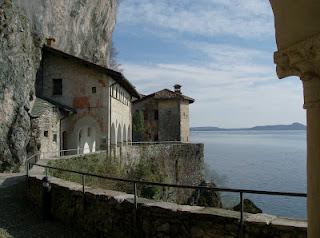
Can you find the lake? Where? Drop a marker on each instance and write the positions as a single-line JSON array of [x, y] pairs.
[[260, 160]]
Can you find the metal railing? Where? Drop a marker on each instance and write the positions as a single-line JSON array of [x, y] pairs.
[[50, 154], [216, 189]]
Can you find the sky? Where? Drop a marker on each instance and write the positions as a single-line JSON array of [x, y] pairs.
[[220, 51]]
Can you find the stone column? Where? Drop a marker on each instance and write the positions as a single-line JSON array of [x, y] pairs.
[[303, 60]]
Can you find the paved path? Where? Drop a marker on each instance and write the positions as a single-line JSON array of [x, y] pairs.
[[18, 219]]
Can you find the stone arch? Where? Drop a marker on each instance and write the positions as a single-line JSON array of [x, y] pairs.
[[113, 139], [124, 134], [86, 130], [119, 137]]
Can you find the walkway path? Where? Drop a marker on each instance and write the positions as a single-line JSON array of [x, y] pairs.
[[19, 219]]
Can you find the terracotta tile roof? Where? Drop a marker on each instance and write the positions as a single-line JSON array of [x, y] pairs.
[[166, 94]]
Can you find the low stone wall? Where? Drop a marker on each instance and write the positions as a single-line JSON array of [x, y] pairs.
[[105, 213]]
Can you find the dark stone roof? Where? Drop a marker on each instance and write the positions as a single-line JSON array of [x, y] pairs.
[[117, 76], [42, 104], [166, 94]]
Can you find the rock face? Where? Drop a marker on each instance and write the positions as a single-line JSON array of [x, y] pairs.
[[248, 206], [205, 197], [80, 27]]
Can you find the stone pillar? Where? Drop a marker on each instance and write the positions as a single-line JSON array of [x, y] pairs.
[[303, 60]]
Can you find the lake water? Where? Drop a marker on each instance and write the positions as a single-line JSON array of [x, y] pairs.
[[260, 160]]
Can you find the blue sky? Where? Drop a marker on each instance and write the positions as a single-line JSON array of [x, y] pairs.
[[220, 51]]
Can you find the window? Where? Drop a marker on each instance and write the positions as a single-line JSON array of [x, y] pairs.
[[57, 86], [94, 89], [156, 114], [45, 133], [54, 137], [145, 115], [89, 131]]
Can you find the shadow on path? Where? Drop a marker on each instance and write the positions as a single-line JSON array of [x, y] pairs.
[[19, 219]]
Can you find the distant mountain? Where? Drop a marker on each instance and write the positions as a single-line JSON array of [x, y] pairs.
[[293, 126]]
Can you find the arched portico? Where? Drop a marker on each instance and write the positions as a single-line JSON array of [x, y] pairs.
[[119, 137], [124, 134], [129, 134], [298, 40], [86, 132], [113, 139]]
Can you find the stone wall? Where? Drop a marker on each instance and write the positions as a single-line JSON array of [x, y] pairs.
[[47, 130], [105, 213], [175, 163], [169, 120], [184, 121]]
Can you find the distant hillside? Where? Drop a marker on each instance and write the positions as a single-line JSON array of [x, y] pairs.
[[293, 126]]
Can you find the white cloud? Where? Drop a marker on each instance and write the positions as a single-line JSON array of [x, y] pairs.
[[242, 18], [224, 98], [233, 86]]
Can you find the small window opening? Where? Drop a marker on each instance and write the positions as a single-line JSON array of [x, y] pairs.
[[94, 89], [156, 114], [45, 133], [89, 131], [57, 86], [55, 137]]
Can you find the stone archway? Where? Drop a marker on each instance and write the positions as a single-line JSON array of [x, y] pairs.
[[87, 135]]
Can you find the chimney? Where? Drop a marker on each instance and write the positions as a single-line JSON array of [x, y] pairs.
[[50, 41], [177, 88]]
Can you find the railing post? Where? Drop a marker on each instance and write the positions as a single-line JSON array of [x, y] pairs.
[[83, 183], [241, 215]]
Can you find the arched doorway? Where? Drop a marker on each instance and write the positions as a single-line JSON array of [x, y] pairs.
[[87, 140], [64, 144]]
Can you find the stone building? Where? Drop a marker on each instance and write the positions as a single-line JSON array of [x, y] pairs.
[[81, 105], [166, 115]]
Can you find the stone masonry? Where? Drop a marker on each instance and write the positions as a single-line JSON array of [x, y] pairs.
[[105, 213]]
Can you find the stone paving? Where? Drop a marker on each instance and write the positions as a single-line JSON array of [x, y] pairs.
[[18, 219]]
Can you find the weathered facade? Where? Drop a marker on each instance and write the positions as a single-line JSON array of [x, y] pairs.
[[166, 115], [45, 120], [99, 99]]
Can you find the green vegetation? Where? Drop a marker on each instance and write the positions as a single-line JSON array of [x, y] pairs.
[[138, 126], [101, 165]]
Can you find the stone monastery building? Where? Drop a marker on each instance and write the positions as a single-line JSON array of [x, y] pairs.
[[166, 115], [80, 105]]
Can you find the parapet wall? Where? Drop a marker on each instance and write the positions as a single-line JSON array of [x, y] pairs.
[[105, 213]]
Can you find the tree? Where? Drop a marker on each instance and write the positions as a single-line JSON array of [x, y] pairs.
[[137, 126], [113, 62]]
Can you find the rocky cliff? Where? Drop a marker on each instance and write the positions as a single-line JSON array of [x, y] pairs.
[[80, 27]]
